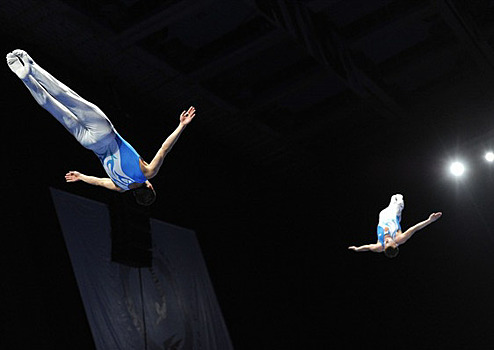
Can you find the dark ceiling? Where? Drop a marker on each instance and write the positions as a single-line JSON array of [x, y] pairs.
[[264, 68], [308, 112]]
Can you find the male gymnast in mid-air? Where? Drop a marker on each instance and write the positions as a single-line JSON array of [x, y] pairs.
[[127, 171], [389, 235]]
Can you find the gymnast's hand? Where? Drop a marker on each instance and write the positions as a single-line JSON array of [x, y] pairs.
[[73, 176], [434, 216], [186, 116]]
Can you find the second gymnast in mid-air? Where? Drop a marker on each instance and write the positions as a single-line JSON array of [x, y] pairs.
[[91, 127], [389, 234]]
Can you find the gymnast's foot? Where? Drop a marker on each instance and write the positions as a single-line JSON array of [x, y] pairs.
[[20, 63]]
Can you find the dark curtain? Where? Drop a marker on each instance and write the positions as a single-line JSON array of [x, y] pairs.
[[169, 304]]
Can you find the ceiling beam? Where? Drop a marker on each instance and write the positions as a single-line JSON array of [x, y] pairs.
[[323, 42], [465, 29], [239, 55], [179, 11]]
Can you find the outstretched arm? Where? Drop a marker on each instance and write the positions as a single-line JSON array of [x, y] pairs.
[[155, 165], [405, 236], [73, 176], [376, 248]]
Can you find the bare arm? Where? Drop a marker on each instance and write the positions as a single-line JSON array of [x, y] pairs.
[[376, 248], [73, 176], [155, 165], [405, 236]]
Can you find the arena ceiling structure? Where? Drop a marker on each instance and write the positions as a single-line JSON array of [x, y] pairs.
[[303, 107], [337, 63]]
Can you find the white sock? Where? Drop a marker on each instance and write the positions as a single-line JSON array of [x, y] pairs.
[[19, 62]]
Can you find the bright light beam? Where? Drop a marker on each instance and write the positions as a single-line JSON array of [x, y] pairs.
[[489, 156], [457, 169]]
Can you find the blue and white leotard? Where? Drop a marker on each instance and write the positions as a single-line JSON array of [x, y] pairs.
[[121, 163], [393, 225], [390, 217]]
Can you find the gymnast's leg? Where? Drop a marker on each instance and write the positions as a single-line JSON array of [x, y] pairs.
[[95, 125], [59, 111]]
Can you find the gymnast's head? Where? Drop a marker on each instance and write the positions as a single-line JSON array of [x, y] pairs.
[[144, 195], [390, 247]]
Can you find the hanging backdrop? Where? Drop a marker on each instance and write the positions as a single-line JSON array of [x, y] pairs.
[[169, 305]]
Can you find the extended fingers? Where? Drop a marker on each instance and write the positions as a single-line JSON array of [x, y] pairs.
[[71, 176], [186, 116], [435, 216], [191, 112]]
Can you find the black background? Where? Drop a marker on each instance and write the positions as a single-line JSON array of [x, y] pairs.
[[274, 219]]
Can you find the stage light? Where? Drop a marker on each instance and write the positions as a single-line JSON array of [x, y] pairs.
[[489, 156], [457, 169]]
